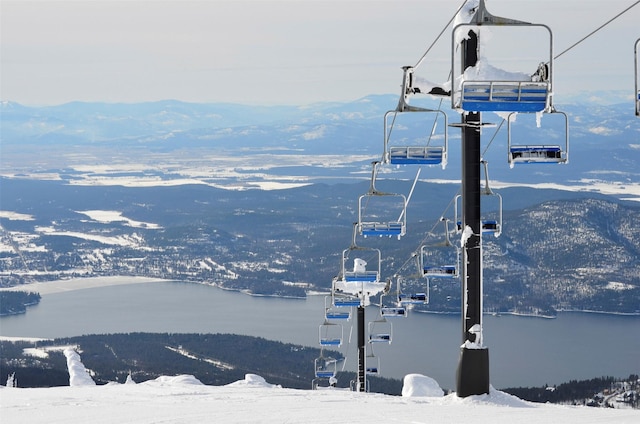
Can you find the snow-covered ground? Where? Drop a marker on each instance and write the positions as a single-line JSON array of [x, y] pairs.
[[60, 286], [183, 399]]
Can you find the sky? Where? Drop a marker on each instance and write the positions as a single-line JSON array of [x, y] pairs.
[[184, 399], [271, 52]]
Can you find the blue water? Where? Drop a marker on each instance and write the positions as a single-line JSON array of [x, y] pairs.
[[523, 351]]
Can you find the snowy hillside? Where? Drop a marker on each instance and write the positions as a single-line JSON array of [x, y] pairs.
[[183, 399]]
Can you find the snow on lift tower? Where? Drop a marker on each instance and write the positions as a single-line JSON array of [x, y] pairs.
[[420, 152], [485, 88]]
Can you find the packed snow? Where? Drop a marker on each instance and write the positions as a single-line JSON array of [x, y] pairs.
[[61, 286], [184, 399], [116, 216]]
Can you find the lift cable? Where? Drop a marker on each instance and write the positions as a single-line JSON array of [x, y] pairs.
[[492, 138], [415, 180], [441, 32], [598, 29]]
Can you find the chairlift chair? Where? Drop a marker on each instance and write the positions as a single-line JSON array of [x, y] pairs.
[[346, 301], [363, 279], [413, 298], [332, 313], [490, 223], [325, 367], [330, 334], [418, 153], [531, 94], [406, 298], [394, 311], [380, 330], [374, 205], [429, 254], [339, 298], [538, 153], [372, 364]]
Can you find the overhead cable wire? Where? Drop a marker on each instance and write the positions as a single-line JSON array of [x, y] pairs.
[[492, 138], [441, 32], [598, 29]]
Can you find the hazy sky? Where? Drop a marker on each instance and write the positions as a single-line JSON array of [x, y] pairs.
[[275, 52]]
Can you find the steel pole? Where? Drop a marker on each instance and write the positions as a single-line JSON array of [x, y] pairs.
[[472, 377], [360, 382]]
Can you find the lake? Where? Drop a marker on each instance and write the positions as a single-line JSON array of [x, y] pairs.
[[523, 351]]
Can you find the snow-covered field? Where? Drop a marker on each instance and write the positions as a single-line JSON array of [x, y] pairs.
[[70, 284], [184, 399]]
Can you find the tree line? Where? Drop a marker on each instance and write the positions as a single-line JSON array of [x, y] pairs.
[[16, 302]]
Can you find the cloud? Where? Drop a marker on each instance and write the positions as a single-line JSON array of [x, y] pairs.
[[603, 131]]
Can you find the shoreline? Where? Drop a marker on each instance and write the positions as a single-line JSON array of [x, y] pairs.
[[81, 283], [72, 284]]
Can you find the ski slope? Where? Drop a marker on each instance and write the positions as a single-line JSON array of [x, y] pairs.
[[184, 399]]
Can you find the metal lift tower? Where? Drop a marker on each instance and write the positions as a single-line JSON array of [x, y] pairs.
[[472, 377]]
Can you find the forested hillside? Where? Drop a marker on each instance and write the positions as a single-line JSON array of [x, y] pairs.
[[557, 251], [214, 359]]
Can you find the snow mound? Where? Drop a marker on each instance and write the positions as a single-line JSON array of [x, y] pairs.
[[78, 375], [417, 385], [250, 402], [495, 398], [253, 380], [178, 380]]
